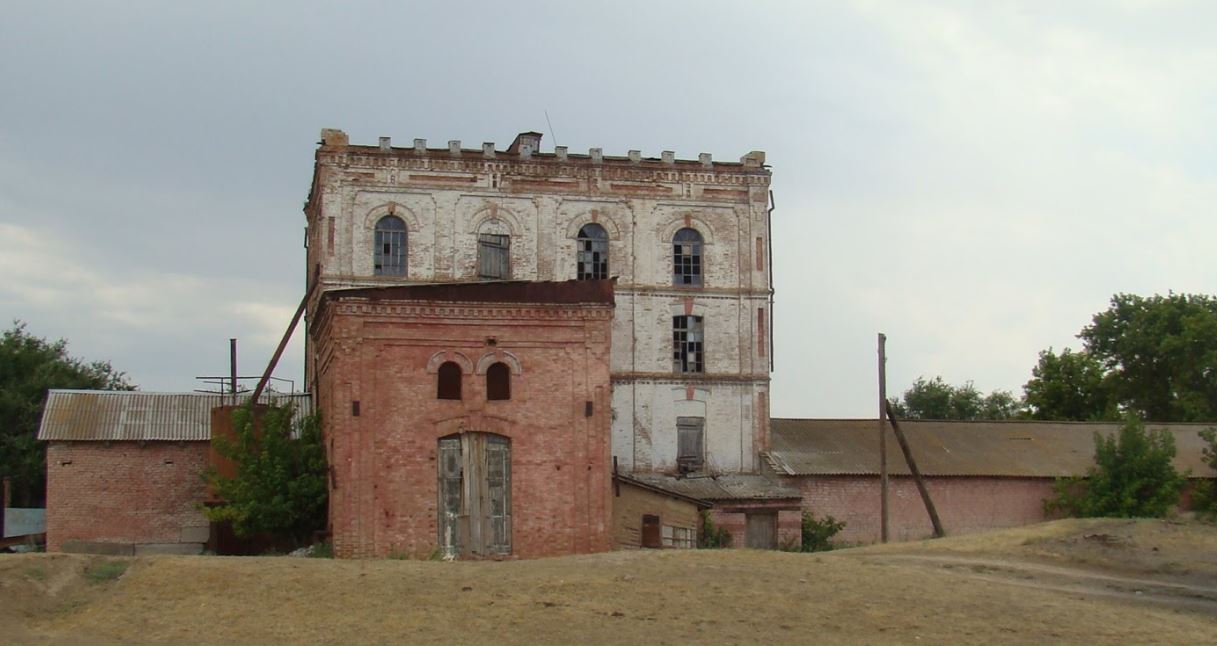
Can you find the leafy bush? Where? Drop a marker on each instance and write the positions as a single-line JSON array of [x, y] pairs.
[[1132, 477], [818, 533], [323, 550], [712, 537], [1205, 499], [280, 486]]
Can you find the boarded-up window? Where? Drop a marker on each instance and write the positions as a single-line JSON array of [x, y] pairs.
[[650, 531], [593, 253], [690, 442], [686, 258], [449, 381], [687, 344], [493, 255], [389, 255], [762, 531], [498, 382]]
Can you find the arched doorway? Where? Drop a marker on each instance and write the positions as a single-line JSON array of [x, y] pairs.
[[474, 494]]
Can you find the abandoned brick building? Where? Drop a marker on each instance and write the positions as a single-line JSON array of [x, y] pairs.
[[688, 343]]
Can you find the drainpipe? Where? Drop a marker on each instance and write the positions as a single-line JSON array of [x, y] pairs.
[[772, 321]]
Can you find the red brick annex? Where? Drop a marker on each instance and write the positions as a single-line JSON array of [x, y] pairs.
[[472, 418]]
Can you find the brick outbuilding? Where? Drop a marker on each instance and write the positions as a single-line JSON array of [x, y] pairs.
[[982, 475], [124, 469], [467, 419]]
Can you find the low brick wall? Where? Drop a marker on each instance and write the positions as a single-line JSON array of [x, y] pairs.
[[126, 497], [965, 504], [733, 517]]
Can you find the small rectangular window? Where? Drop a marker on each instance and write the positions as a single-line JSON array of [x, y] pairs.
[[687, 344], [690, 442], [760, 254], [680, 538], [493, 256]]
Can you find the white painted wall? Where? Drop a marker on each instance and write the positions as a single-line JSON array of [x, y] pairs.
[[542, 202]]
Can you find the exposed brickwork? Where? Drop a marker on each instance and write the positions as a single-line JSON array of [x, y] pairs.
[[122, 492], [384, 492], [965, 504], [733, 516], [541, 200]]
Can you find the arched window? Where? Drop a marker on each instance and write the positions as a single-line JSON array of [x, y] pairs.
[[593, 253], [498, 381], [686, 258], [449, 382], [389, 251]]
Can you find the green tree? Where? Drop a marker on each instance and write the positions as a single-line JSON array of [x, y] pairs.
[[29, 367], [936, 399], [1205, 498], [1160, 354], [280, 484], [1133, 477], [1069, 386]]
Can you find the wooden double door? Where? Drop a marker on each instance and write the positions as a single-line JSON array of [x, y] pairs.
[[474, 495]]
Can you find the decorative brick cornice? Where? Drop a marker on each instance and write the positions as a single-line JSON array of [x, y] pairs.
[[688, 379], [566, 312], [439, 167]]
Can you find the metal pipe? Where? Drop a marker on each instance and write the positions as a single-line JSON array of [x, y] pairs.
[[772, 320], [287, 335]]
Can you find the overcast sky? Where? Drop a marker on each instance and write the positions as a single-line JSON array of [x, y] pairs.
[[974, 179]]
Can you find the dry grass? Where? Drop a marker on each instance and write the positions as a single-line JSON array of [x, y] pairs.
[[1017, 586]]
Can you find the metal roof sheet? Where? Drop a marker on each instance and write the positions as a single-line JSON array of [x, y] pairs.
[[956, 448], [124, 416], [723, 487]]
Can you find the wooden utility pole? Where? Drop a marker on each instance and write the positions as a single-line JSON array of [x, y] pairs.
[[908, 457], [232, 366], [882, 437]]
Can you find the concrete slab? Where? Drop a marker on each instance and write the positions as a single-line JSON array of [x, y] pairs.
[[97, 547], [168, 548], [196, 534]]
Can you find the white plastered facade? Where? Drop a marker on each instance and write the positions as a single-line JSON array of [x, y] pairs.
[[447, 196]]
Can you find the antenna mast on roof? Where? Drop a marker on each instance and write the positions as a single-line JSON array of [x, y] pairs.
[[551, 128]]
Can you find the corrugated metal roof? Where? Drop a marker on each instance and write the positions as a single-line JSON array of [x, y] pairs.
[[724, 487], [952, 448], [125, 416]]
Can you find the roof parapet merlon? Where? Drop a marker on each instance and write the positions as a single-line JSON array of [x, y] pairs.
[[526, 146]]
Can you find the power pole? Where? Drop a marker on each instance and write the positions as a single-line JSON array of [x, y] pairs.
[[883, 437], [232, 364]]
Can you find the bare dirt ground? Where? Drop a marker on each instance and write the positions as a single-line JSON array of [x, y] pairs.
[[1096, 581]]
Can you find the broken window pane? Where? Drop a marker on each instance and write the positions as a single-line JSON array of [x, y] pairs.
[[592, 253], [687, 344], [686, 258], [389, 257]]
